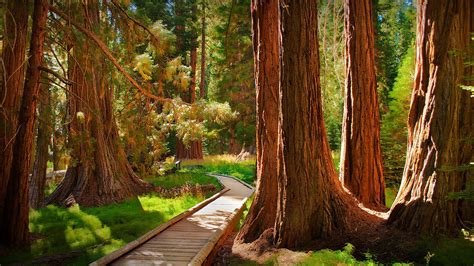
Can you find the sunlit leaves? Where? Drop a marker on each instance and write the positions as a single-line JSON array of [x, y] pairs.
[[143, 65]]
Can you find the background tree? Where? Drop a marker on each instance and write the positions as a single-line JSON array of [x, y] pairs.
[[99, 172], [13, 56], [361, 169], [14, 221], [439, 124]]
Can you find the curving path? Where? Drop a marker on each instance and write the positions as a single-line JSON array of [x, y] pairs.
[[189, 238]]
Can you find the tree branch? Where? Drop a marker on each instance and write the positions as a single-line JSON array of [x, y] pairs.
[[50, 71], [107, 53]]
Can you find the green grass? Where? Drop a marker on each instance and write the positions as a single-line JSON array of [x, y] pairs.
[[447, 251], [99, 230], [390, 194], [226, 165], [183, 177]]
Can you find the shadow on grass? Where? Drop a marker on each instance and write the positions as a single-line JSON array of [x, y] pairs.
[[79, 236]]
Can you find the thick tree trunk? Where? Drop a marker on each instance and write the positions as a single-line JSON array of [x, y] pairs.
[[311, 201], [202, 86], [193, 151], [14, 226], [440, 123], [262, 213], [99, 172], [38, 177], [12, 76], [361, 169]]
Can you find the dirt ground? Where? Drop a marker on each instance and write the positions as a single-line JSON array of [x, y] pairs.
[[372, 235]]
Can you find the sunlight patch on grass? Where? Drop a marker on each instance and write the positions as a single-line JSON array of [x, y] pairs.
[[224, 164], [390, 194], [96, 231], [183, 177]]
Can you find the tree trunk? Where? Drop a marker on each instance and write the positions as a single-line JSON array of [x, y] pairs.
[[15, 218], [99, 172], [192, 87], [361, 169], [202, 86], [193, 151], [311, 202], [38, 178], [262, 213], [14, 50], [440, 123], [232, 144]]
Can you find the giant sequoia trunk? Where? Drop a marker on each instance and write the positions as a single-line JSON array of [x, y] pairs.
[[361, 168], [262, 213], [440, 123], [14, 226], [99, 172], [38, 177], [13, 69], [311, 202]]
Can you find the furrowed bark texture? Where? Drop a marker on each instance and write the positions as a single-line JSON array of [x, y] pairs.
[[440, 123], [311, 202], [361, 168], [38, 177], [11, 90], [14, 226], [262, 213], [99, 172]]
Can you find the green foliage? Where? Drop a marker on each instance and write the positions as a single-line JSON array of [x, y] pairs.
[[231, 70], [394, 34], [183, 177], [394, 130], [226, 165], [336, 257], [99, 230], [446, 251], [331, 46], [390, 195]]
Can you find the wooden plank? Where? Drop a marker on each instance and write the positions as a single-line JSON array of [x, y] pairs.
[[119, 252], [137, 262]]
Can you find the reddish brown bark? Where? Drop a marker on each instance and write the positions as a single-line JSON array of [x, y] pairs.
[[440, 123], [262, 213], [99, 172], [13, 70], [361, 169], [311, 202], [14, 226], [38, 177], [192, 151]]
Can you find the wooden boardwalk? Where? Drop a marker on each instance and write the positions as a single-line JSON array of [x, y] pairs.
[[189, 238]]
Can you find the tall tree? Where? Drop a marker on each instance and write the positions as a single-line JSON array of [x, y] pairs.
[[187, 40], [99, 172], [361, 169], [38, 177], [13, 75], [262, 213], [311, 201], [439, 124], [202, 85], [14, 225]]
